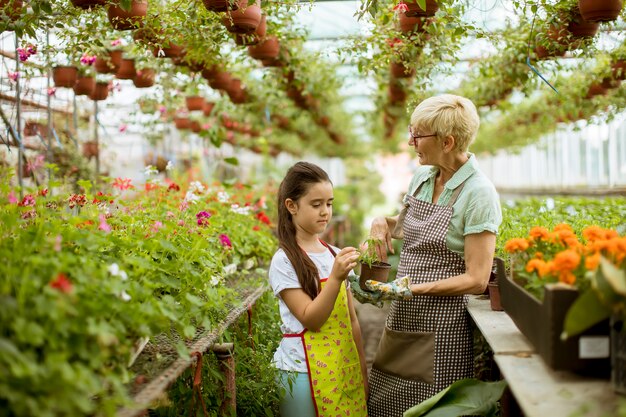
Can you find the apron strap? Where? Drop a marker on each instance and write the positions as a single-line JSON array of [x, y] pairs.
[[329, 248], [455, 194]]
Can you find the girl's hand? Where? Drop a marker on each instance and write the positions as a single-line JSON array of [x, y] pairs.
[[345, 261]]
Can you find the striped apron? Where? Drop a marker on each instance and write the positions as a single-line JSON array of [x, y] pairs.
[[427, 341]]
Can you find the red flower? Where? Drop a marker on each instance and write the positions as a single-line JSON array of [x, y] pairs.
[[256, 228], [61, 283], [173, 187], [263, 217], [123, 183], [43, 192], [28, 200], [150, 186]]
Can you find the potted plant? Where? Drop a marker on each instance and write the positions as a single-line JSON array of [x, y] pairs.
[[128, 17], [144, 78], [600, 10], [100, 91], [245, 19], [127, 70], [65, 75], [371, 267]]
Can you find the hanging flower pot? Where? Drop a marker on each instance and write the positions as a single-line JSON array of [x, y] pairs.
[[236, 93], [144, 78], [220, 80], [84, 86], [169, 50], [126, 70], [220, 5], [88, 4], [268, 48], [32, 128], [596, 89], [182, 123], [122, 19], [11, 8], [396, 93], [408, 24], [580, 28], [195, 127], [416, 10], [64, 76], [600, 10], [90, 149], [109, 63], [399, 70], [100, 91], [194, 103], [208, 108], [610, 82], [247, 39], [245, 19]]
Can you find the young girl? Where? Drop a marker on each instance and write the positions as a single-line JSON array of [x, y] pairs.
[[320, 357]]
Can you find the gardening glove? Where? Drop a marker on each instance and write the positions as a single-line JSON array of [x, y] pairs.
[[363, 297], [398, 289]]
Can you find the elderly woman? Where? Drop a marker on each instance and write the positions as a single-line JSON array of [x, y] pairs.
[[452, 217]]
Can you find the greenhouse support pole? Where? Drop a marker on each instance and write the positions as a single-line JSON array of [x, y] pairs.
[[95, 130], [74, 114], [49, 109], [21, 157], [228, 392]]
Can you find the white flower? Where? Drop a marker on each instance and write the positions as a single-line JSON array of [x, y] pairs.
[[190, 197], [196, 187], [240, 210], [230, 269], [150, 170], [114, 269], [123, 275], [215, 280], [157, 181], [222, 196], [169, 166], [161, 53], [125, 296], [248, 263]]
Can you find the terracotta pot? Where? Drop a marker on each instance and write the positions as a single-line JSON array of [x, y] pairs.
[[416, 10], [32, 128], [596, 89], [144, 78], [599, 10], [408, 24], [494, 296], [121, 19], [236, 93], [379, 271], [245, 19], [208, 108], [64, 76], [90, 149], [84, 86], [219, 5], [580, 28], [194, 103], [220, 81], [88, 4], [396, 93], [610, 82], [619, 69], [246, 39], [267, 49], [182, 123], [195, 127], [542, 52], [108, 64], [100, 91], [146, 35], [12, 8], [399, 70], [169, 50], [127, 70]]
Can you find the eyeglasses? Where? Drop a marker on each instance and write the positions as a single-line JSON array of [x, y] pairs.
[[415, 137]]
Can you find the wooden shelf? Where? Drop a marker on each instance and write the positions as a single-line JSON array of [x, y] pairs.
[[539, 390]]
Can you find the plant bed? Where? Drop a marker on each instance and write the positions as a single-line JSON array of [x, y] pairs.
[[542, 323]]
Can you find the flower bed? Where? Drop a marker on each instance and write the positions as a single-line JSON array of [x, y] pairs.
[[84, 276]]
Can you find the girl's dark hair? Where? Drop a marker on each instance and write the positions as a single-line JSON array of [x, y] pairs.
[[297, 182]]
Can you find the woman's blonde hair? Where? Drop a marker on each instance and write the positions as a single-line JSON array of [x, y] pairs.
[[448, 115]]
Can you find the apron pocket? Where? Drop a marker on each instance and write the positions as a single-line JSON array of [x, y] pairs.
[[408, 355]]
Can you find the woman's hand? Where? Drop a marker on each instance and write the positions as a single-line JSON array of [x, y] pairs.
[[345, 261], [380, 230]]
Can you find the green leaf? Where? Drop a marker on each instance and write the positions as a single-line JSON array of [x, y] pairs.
[[464, 397], [422, 4], [232, 161], [616, 277], [586, 311]]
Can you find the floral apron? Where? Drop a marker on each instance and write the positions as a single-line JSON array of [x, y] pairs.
[[427, 342], [333, 363]]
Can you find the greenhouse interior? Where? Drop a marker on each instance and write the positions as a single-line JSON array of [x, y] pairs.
[[194, 191]]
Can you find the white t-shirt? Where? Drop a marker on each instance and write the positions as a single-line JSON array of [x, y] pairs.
[[290, 353]]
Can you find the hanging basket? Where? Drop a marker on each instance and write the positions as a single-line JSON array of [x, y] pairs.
[[396, 93], [126, 70], [596, 89], [399, 70], [169, 50], [220, 5], [408, 24], [194, 103], [237, 94], [90, 149], [600, 10], [267, 49], [88, 4], [182, 123], [84, 86], [109, 63], [220, 80], [208, 108], [416, 10], [243, 20], [144, 78], [121, 19], [580, 28], [64, 76], [100, 91]]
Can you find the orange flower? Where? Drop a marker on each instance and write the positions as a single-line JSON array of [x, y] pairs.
[[592, 261], [593, 233], [567, 277], [517, 244], [563, 226], [538, 255], [538, 265], [568, 260], [539, 232]]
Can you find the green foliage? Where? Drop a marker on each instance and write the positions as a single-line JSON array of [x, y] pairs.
[[368, 256]]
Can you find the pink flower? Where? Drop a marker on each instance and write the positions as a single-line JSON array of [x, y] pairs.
[[123, 128], [122, 183], [28, 200], [203, 218], [169, 215], [57, 243], [29, 214], [181, 223], [116, 42], [23, 54], [87, 59], [104, 226], [36, 164], [31, 49], [12, 198], [156, 226], [52, 91], [61, 283], [13, 76], [225, 241], [162, 109], [401, 7], [184, 205]]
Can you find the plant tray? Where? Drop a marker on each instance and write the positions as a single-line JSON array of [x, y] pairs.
[[542, 324]]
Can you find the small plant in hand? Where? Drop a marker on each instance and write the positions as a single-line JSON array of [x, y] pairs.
[[372, 268]]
